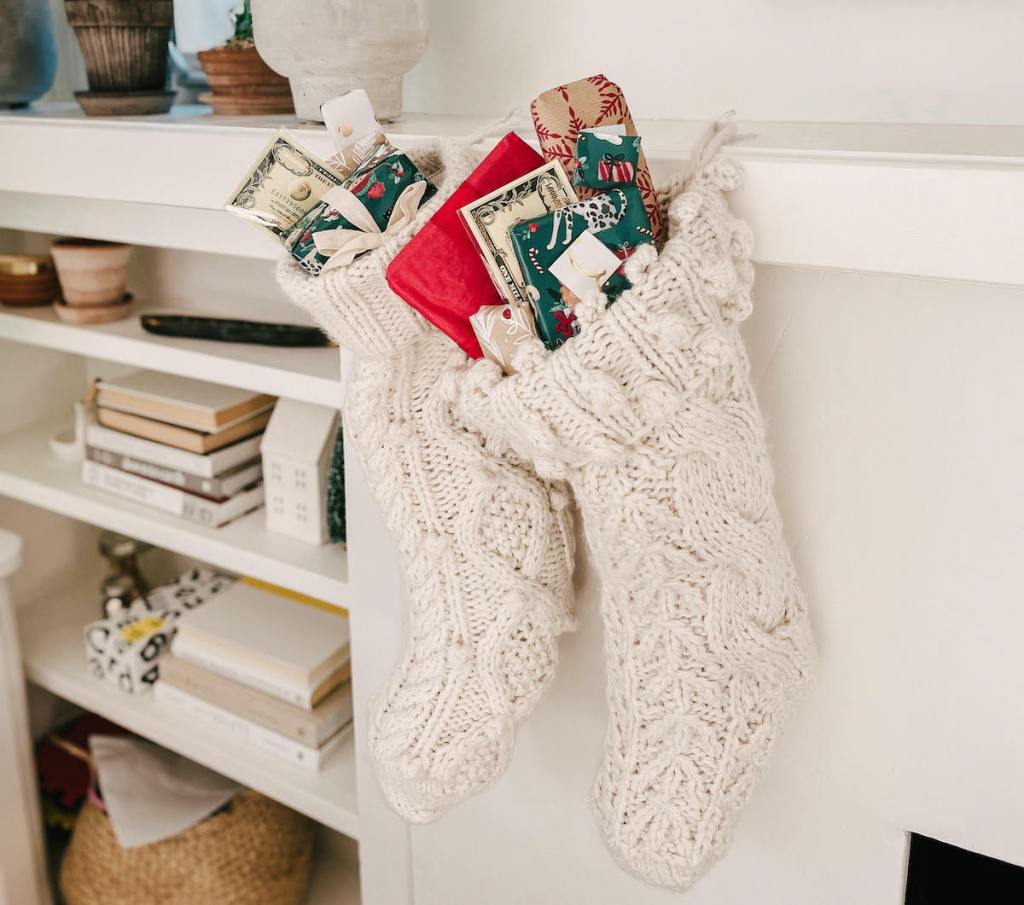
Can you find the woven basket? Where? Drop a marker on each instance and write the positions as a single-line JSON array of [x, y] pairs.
[[253, 852]]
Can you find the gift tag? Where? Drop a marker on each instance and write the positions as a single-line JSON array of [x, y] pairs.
[[586, 264], [349, 117], [604, 131]]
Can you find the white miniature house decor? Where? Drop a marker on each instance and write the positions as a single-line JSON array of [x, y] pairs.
[[296, 449]]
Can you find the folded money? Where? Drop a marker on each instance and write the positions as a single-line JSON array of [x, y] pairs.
[[489, 219], [282, 186]]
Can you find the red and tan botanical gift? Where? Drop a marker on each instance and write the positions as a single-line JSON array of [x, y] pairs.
[[559, 115]]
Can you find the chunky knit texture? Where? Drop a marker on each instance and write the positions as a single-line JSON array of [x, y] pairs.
[[486, 547], [650, 415]]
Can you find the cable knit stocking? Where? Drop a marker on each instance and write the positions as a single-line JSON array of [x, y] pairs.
[[486, 547], [650, 415]]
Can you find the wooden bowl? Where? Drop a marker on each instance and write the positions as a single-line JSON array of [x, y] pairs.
[[27, 281]]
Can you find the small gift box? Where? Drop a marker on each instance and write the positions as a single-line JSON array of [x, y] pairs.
[[561, 114], [125, 649], [500, 329], [617, 218], [352, 219], [605, 160]]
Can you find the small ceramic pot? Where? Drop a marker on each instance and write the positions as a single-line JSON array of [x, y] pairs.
[[241, 83], [91, 272]]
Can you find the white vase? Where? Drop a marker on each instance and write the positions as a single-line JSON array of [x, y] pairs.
[[327, 47]]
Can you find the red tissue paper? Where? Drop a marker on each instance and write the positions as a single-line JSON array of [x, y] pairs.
[[440, 272]]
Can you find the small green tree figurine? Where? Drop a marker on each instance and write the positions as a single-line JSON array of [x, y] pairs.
[[242, 37]]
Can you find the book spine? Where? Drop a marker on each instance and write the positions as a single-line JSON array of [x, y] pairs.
[[118, 442], [250, 704], [252, 733], [300, 698], [132, 488], [175, 477], [151, 493]]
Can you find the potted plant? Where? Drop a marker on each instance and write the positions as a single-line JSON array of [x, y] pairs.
[[124, 44], [240, 82]]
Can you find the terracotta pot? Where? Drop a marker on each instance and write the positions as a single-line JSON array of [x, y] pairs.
[[242, 83], [124, 42], [240, 71], [91, 272]]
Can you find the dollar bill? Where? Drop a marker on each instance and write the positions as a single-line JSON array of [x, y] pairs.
[[490, 218], [282, 186]]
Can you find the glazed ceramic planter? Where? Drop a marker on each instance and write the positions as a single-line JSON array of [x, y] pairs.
[[28, 51], [91, 272], [328, 47]]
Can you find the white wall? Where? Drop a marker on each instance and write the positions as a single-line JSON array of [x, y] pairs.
[[945, 61], [892, 409], [952, 61]]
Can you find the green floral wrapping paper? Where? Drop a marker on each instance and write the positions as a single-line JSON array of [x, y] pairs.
[[606, 161], [377, 187], [617, 218]]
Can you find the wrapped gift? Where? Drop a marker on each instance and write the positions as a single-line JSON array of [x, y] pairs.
[[563, 113], [351, 219], [125, 649], [440, 272], [617, 218], [500, 330], [605, 160]]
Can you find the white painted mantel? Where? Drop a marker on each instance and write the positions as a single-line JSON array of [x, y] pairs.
[[939, 201], [885, 350]]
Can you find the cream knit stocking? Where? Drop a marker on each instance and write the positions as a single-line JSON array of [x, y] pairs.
[[486, 547], [650, 415]]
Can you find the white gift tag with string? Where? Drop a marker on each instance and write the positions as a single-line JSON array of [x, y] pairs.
[[586, 264], [349, 117]]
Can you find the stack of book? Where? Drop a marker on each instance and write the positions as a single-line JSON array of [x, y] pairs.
[[180, 445], [268, 666]]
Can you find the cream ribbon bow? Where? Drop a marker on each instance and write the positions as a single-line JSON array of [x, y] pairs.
[[342, 246]]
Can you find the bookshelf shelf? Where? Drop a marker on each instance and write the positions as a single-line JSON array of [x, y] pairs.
[[54, 658], [31, 473], [312, 375]]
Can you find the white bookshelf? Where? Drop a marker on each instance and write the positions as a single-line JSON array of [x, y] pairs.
[[54, 658], [877, 198], [30, 472], [309, 374]]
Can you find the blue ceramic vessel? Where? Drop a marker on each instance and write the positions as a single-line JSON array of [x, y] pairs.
[[28, 51]]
